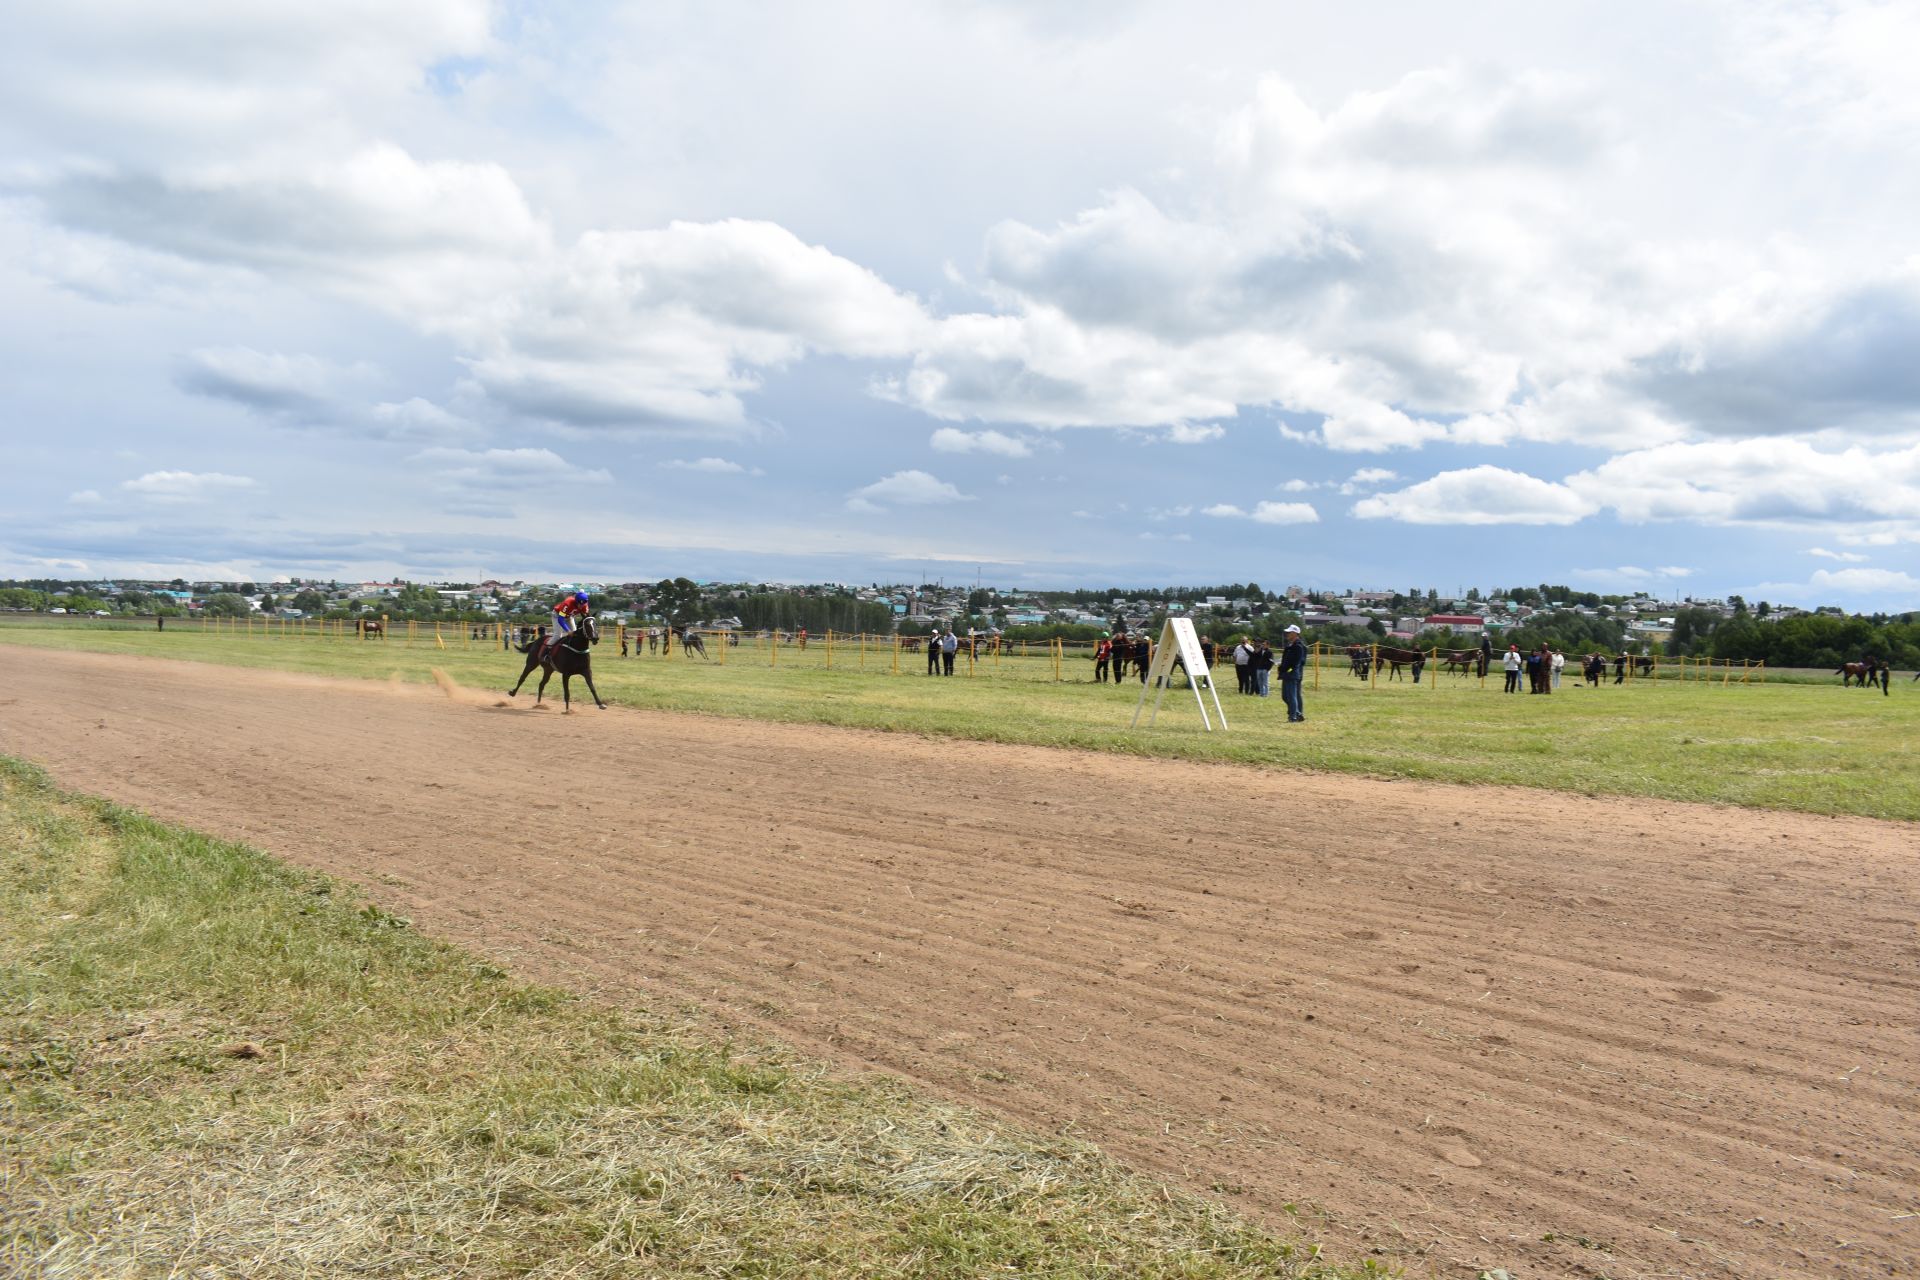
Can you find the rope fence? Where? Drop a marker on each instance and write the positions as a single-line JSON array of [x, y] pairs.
[[1056, 660]]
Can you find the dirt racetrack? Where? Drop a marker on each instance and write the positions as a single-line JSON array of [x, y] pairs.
[[1476, 1027]]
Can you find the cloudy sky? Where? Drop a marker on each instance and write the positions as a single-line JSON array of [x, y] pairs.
[[1056, 292]]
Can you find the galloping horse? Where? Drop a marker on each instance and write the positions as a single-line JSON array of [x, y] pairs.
[[691, 643], [1464, 661], [569, 655]]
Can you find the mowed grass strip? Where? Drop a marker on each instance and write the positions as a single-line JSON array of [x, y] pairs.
[[1811, 747], [212, 1064]]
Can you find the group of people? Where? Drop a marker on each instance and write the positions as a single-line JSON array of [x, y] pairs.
[[942, 648], [1114, 653], [1253, 664], [1542, 667]]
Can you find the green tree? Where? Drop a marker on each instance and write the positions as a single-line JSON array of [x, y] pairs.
[[678, 600], [226, 604], [309, 601]]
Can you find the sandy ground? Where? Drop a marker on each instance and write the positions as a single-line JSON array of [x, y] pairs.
[[1473, 1027]]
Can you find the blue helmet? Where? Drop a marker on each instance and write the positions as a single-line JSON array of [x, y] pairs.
[[581, 596]]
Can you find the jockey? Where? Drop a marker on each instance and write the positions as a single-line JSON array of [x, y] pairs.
[[564, 613]]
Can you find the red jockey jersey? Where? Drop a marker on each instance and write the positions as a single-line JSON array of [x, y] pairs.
[[572, 607]]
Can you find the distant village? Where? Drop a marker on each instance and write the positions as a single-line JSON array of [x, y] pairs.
[[910, 609]]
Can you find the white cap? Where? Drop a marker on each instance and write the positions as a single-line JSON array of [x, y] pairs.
[[1292, 628]]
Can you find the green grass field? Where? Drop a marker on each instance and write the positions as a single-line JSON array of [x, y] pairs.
[[1805, 746], [214, 1065]]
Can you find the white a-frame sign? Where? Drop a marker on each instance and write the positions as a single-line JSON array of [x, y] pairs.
[[1178, 640]]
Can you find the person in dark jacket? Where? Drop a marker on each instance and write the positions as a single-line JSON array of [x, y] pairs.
[[1293, 671], [1261, 665], [1143, 655]]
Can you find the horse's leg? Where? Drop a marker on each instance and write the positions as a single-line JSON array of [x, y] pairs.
[[566, 693], [533, 660], [546, 674], [586, 673]]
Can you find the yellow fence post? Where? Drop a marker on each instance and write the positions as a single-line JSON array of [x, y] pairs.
[[1373, 666], [1059, 647], [829, 648], [896, 653]]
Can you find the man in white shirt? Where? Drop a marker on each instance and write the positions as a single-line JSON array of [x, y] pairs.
[[1242, 655], [1559, 661], [1512, 665]]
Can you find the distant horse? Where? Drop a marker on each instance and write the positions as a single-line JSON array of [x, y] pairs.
[[910, 644], [369, 628], [691, 643], [1865, 673], [570, 655], [1465, 662], [1385, 658], [1361, 659]]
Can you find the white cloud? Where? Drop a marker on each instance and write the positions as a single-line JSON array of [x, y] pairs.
[[185, 486], [1364, 479], [1285, 513], [1297, 486], [951, 440], [1866, 581], [1848, 557], [1846, 66], [481, 480], [1267, 512], [267, 382], [710, 466], [1764, 481], [85, 498], [904, 489], [1629, 577], [416, 418], [1478, 495], [1194, 433]]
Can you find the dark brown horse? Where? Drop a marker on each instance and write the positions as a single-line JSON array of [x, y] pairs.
[[1387, 657], [369, 628], [1865, 673], [570, 656]]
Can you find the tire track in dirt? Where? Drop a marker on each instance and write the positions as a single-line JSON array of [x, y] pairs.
[[1478, 1027]]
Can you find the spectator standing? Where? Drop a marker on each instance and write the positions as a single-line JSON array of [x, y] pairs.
[[949, 645], [1261, 665], [1293, 670], [1242, 671], [1143, 655], [1102, 655], [1559, 661], [933, 652], [1512, 664], [1619, 668]]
